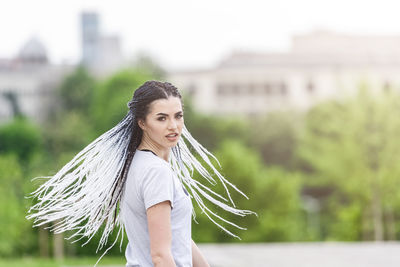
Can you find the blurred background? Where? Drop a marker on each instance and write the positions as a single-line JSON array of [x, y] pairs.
[[299, 101]]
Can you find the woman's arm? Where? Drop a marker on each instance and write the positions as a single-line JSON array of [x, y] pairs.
[[159, 224], [198, 258]]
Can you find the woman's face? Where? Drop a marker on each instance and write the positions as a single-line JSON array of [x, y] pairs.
[[165, 117]]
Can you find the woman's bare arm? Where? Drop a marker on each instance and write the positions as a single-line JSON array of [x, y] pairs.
[[198, 258], [159, 224]]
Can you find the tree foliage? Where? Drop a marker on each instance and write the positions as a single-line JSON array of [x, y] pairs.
[[76, 91], [273, 194], [16, 235], [20, 137], [274, 135], [110, 100], [352, 145]]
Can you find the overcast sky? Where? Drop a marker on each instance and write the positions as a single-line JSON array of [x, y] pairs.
[[188, 33]]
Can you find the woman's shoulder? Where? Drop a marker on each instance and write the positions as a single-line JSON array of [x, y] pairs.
[[145, 162], [148, 158]]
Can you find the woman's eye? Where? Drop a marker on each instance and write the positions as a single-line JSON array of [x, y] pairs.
[[163, 118]]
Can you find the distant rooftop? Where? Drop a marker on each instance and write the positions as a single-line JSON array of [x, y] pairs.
[[33, 51], [329, 42], [323, 48]]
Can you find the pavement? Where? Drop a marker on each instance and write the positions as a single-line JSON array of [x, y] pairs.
[[327, 254], [313, 254]]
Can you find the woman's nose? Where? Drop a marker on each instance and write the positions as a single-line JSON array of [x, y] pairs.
[[172, 124]]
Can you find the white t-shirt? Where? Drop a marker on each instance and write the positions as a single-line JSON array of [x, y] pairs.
[[151, 180]]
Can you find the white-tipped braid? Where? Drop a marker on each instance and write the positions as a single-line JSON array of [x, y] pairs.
[[85, 194]]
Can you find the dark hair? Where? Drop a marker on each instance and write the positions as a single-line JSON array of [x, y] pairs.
[[147, 93], [139, 107]]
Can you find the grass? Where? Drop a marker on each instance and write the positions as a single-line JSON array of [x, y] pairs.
[[68, 262]]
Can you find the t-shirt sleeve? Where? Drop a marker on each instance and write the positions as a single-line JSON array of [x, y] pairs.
[[158, 186]]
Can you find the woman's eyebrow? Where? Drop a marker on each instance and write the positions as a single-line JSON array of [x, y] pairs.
[[164, 114]]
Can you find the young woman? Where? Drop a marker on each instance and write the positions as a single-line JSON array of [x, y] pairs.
[[140, 168]]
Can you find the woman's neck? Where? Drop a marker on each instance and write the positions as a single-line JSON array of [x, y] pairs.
[[159, 151]]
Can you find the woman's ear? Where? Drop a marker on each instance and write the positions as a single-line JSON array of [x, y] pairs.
[[141, 124]]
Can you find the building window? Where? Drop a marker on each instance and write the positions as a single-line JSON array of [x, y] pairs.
[[252, 89], [221, 89], [310, 87], [267, 89], [235, 89], [283, 88]]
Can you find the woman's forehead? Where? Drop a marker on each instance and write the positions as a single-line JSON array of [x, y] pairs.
[[170, 105]]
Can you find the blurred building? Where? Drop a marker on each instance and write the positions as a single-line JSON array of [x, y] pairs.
[[101, 54], [321, 65], [27, 82]]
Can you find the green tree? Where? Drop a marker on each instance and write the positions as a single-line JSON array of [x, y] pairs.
[[273, 194], [147, 64], [69, 134], [16, 235], [67, 131], [70, 127], [352, 145], [20, 137], [241, 166], [274, 135], [211, 130], [111, 98], [281, 211], [76, 90]]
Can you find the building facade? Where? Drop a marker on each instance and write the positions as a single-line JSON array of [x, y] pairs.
[[101, 54], [27, 83], [320, 66]]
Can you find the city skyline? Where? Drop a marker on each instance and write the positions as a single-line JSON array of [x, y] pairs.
[[197, 34]]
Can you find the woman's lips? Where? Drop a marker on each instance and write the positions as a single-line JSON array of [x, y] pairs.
[[172, 137]]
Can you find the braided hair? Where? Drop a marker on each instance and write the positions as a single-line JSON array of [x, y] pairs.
[[85, 194]]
